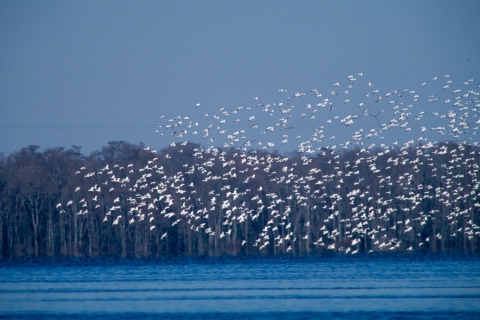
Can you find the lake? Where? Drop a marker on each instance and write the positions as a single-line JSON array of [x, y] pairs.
[[344, 287]]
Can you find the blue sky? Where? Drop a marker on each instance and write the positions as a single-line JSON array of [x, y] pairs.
[[88, 72]]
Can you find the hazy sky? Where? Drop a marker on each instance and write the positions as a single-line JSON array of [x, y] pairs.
[[88, 72]]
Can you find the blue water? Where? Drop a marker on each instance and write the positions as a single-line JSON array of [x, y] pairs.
[[361, 287]]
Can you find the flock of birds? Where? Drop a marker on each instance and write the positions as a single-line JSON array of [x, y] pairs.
[[280, 124], [317, 196]]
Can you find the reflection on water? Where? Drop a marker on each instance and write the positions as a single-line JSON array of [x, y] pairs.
[[329, 287]]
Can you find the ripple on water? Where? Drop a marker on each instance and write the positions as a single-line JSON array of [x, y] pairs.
[[364, 287]]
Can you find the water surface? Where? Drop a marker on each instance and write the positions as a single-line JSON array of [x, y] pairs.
[[361, 287]]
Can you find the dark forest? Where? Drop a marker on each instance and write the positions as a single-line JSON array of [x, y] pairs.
[[129, 201]]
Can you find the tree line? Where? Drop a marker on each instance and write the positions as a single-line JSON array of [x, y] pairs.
[[126, 200]]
